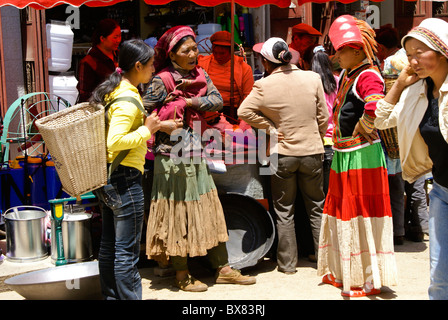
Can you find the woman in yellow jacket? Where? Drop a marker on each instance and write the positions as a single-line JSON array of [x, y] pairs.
[[121, 201]]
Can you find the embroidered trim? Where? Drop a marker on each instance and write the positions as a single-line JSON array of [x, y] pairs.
[[366, 121], [345, 86], [432, 38], [373, 97]]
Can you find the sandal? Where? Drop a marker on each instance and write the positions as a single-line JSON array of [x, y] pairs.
[[330, 279], [360, 293]]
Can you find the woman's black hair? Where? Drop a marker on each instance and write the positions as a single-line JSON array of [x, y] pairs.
[[105, 28], [321, 64], [180, 42], [131, 52], [281, 52]]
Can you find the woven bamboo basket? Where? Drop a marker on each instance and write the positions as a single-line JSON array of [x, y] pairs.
[[76, 140], [389, 80], [389, 136]]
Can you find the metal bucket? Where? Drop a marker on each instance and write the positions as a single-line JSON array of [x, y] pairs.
[[25, 234], [76, 236]]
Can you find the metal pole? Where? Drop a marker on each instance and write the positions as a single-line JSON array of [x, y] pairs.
[[232, 53]]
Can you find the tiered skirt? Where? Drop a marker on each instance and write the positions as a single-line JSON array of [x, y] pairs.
[[356, 239], [186, 217]]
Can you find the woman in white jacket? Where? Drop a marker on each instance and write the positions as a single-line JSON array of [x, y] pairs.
[[417, 105]]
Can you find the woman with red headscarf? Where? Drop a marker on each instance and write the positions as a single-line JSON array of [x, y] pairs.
[[356, 248], [186, 217]]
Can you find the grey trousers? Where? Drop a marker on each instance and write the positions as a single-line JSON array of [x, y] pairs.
[[293, 173], [396, 191]]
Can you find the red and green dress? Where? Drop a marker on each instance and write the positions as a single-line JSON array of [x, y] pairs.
[[356, 239]]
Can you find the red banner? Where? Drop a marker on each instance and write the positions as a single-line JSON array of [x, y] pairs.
[[46, 4], [302, 2]]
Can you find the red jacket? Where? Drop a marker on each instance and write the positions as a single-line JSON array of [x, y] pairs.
[[220, 75], [94, 68]]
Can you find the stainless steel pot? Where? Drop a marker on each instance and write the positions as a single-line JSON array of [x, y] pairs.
[[76, 236], [25, 234]]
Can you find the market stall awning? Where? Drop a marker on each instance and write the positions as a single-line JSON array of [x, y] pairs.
[[244, 3], [46, 4], [302, 2]]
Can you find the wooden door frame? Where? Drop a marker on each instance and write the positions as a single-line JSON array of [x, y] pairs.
[[35, 48]]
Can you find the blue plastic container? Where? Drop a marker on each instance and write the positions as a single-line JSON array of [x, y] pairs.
[[34, 170], [54, 185], [38, 183], [12, 188]]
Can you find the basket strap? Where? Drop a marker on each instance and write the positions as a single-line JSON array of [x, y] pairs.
[[128, 99], [122, 153], [117, 161]]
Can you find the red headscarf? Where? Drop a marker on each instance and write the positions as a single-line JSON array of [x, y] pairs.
[[167, 42], [178, 88]]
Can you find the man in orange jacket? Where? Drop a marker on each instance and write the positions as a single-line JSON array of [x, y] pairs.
[[217, 65], [303, 37]]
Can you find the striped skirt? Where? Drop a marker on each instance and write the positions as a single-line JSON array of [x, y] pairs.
[[356, 238], [186, 217]]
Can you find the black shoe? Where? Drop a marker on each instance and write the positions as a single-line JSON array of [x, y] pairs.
[[398, 240], [415, 236]]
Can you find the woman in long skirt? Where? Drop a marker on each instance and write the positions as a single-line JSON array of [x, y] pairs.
[[356, 242], [186, 217]]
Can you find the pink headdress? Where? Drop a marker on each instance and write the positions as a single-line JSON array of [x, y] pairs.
[[167, 42], [347, 30]]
